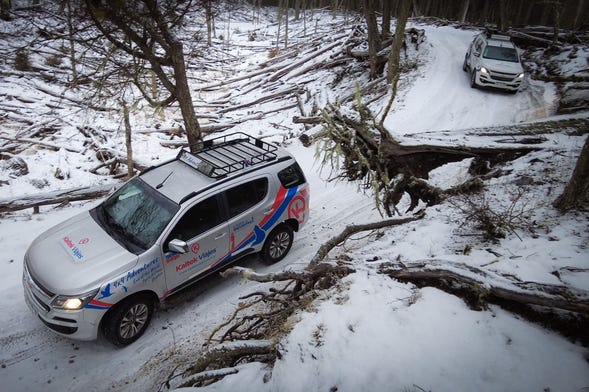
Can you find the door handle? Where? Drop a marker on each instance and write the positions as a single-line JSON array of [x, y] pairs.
[[220, 236], [271, 210]]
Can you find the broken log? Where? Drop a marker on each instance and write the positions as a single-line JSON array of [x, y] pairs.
[[51, 146], [560, 308], [486, 286], [56, 197]]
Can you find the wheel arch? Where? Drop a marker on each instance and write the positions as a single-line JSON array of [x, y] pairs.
[[293, 223]]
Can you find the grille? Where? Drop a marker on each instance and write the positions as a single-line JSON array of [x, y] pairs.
[[503, 77]]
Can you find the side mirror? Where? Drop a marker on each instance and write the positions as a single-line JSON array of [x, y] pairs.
[[178, 246], [476, 54]]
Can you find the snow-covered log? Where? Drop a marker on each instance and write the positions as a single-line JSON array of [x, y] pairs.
[[483, 286], [56, 197]]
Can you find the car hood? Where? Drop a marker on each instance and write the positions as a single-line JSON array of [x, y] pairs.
[[502, 66], [76, 256]]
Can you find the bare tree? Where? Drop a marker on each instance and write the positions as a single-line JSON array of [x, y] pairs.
[[144, 29]]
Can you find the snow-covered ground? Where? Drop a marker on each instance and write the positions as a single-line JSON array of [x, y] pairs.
[[371, 333]]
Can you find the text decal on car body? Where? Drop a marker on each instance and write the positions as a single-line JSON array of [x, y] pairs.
[[74, 247], [281, 203]]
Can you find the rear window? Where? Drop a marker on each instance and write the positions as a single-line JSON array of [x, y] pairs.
[[291, 176]]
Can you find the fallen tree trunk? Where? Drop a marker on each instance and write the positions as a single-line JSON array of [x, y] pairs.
[[222, 359], [51, 146], [485, 285], [57, 197], [372, 157], [542, 303]]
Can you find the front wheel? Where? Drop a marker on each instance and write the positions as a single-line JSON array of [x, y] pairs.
[[128, 320], [277, 244], [473, 79]]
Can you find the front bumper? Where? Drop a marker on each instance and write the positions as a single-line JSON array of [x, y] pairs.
[[498, 80], [80, 324]]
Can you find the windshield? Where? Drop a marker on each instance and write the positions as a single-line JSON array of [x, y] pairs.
[[499, 53], [136, 214]]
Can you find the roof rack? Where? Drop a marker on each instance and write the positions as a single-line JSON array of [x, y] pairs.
[[223, 155], [496, 34]]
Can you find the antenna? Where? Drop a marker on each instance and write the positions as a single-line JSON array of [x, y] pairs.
[[161, 184]]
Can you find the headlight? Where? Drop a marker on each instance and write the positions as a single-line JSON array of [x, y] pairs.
[[75, 302], [520, 76], [484, 70]]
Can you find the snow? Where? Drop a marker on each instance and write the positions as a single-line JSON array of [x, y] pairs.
[[370, 333]]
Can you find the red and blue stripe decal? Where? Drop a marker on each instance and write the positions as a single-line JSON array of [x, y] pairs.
[[281, 202], [95, 304]]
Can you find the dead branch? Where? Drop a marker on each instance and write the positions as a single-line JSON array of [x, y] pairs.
[[353, 229]]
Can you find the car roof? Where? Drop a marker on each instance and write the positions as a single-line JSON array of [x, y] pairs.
[[224, 157], [500, 40], [500, 43], [175, 179]]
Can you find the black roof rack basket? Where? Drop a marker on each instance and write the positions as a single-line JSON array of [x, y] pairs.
[[223, 155]]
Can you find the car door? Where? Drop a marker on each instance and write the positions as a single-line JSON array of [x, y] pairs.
[[203, 233], [248, 205], [476, 52]]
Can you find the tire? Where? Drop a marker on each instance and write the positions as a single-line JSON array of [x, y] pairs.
[[128, 320], [277, 244], [473, 79]]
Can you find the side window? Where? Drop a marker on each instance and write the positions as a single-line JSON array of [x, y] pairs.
[[245, 196], [478, 45], [200, 218], [291, 176]]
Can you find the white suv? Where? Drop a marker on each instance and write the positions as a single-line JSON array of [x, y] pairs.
[[105, 269], [493, 61]]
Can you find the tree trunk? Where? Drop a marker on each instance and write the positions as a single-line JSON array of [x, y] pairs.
[[578, 14], [386, 20], [373, 36], [503, 23], [128, 144], [286, 9], [464, 12], [5, 7], [70, 29], [395, 58], [576, 193], [209, 19], [193, 132]]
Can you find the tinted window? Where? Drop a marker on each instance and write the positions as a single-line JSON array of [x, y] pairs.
[[291, 176], [200, 218], [245, 196]]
